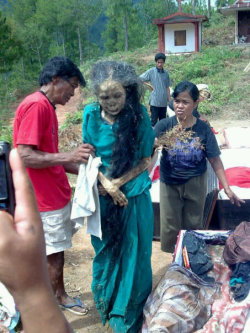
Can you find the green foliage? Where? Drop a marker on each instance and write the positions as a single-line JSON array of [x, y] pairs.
[[196, 67], [37, 30], [6, 133], [132, 20], [73, 118], [11, 48], [204, 64], [223, 3]]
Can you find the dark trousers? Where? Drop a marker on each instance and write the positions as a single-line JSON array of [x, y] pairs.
[[157, 113], [181, 207]]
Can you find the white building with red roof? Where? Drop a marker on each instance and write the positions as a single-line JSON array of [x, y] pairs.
[[180, 32]]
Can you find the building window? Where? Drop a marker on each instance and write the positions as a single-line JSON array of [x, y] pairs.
[[180, 38]]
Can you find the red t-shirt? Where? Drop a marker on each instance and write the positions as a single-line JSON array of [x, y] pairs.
[[36, 124]]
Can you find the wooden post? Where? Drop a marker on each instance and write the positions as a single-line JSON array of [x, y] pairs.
[[197, 37], [161, 38]]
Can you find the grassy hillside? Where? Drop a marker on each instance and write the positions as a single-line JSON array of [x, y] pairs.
[[220, 65]]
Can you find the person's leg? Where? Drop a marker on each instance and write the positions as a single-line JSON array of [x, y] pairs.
[[55, 264], [171, 207], [154, 114], [162, 113], [194, 198], [58, 233]]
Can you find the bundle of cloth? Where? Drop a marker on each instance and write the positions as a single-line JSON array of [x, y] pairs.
[[185, 301], [237, 255]]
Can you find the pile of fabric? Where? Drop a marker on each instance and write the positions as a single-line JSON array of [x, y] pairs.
[[237, 255], [181, 302], [184, 302]]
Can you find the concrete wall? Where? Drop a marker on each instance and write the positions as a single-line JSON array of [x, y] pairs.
[[169, 37]]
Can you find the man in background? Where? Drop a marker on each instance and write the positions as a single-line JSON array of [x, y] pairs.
[[159, 81], [35, 133]]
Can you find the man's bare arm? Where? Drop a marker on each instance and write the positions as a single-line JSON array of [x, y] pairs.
[[71, 168], [34, 158]]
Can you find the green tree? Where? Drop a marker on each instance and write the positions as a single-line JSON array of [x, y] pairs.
[[11, 47], [81, 14], [30, 31], [224, 3], [119, 13], [130, 23]]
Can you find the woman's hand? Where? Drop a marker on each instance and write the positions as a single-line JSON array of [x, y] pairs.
[[220, 173], [233, 197]]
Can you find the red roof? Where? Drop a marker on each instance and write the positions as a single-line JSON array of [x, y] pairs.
[[180, 17]]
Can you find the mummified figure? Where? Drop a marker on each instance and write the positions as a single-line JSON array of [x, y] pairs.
[[119, 128]]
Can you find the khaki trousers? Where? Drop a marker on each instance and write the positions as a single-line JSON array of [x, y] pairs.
[[181, 207]]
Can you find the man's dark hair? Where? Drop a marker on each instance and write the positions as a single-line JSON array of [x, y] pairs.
[[160, 56], [60, 67]]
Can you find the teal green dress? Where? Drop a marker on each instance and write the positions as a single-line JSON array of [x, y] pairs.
[[122, 282]]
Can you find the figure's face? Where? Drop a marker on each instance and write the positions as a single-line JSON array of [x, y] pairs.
[[112, 97], [160, 64], [184, 106], [63, 89]]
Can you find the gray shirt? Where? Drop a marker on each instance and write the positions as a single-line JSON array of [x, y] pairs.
[[160, 81]]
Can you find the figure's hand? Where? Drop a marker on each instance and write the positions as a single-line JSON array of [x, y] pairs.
[[22, 250], [116, 182], [102, 190], [119, 198], [117, 195], [81, 153], [234, 199]]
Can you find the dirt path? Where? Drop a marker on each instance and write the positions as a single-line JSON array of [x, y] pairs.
[[71, 106]]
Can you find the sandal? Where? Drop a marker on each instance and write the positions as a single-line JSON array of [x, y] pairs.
[[78, 303]]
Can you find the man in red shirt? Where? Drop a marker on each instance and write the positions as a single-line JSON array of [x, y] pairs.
[[35, 133]]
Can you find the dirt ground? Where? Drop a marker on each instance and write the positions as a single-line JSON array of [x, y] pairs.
[[78, 260]]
